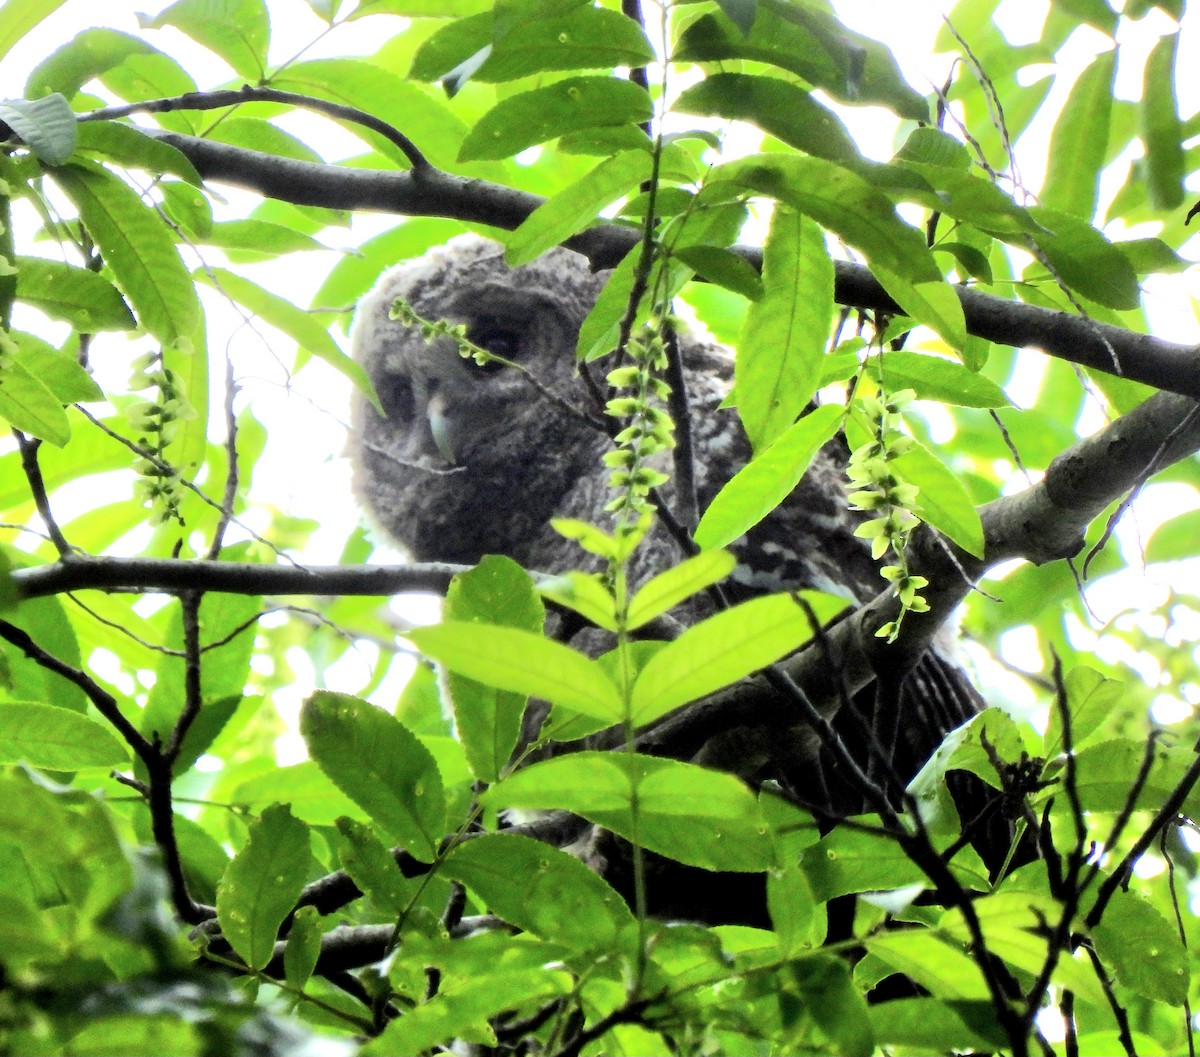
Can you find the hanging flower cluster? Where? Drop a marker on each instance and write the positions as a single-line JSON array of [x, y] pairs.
[[883, 493], [650, 430], [156, 419]]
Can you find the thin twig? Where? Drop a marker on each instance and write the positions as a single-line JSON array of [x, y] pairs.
[[37, 486], [249, 94], [104, 702]]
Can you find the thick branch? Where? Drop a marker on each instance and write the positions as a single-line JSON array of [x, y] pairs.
[[173, 575], [1161, 364], [1045, 522]]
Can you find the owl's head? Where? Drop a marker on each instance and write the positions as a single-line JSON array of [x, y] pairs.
[[470, 459]]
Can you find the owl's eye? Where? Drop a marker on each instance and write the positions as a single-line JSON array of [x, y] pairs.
[[396, 395], [502, 339]]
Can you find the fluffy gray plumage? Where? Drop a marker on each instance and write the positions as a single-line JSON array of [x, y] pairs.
[[470, 461]]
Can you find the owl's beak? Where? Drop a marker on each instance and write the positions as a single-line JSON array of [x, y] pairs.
[[440, 427]]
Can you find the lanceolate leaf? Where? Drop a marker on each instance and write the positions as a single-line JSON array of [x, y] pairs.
[[26, 404], [575, 207], [532, 117], [1162, 132], [87, 301], [725, 648], [934, 303], [297, 324], [497, 591], [841, 201], [766, 480], [134, 149], [813, 44], [558, 898], [779, 355], [672, 587], [1085, 260], [236, 30], [935, 378], [18, 17], [942, 500], [261, 884], [57, 738], [782, 109], [380, 765], [519, 660], [1079, 144], [370, 865], [138, 248], [700, 817]]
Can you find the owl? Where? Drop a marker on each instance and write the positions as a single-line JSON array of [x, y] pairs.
[[468, 460]]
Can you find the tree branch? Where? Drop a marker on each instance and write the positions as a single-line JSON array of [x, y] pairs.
[[1162, 364]]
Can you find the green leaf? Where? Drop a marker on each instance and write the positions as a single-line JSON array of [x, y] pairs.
[[56, 738], [1105, 773], [766, 480], [262, 883], [528, 118], [87, 55], [138, 247], [931, 146], [1012, 923], [846, 861], [46, 125], [310, 793], [923, 1025], [236, 30], [933, 303], [58, 371], [377, 762], [579, 39], [693, 815], [1091, 699], [18, 17], [463, 1003], [1162, 132], [488, 720], [303, 947], [668, 589], [722, 266], [575, 207], [1142, 949], [558, 898], [1085, 260], [942, 501], [370, 866], [934, 962], [784, 110], [812, 43], [584, 593], [428, 122], [725, 648], [1079, 142], [936, 378], [963, 749], [297, 324], [85, 300], [839, 200], [1175, 538], [133, 149], [780, 351], [519, 660], [28, 405]]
